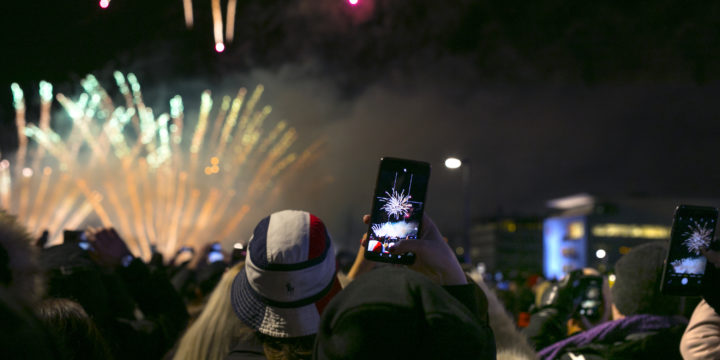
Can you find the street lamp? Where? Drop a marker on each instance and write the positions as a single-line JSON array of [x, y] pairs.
[[455, 163]]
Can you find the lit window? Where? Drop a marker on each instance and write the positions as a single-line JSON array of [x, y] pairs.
[[576, 230], [631, 231]]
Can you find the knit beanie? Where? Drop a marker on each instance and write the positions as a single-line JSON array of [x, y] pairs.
[[637, 285]]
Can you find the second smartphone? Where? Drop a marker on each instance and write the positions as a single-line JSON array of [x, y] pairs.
[[693, 229]]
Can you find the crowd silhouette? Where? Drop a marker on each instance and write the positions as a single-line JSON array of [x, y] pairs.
[[288, 294]]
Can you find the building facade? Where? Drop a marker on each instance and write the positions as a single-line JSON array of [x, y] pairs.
[[586, 231]]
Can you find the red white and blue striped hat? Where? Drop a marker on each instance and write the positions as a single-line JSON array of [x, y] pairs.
[[289, 275]]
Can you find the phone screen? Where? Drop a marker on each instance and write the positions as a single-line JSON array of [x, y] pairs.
[[215, 256], [215, 253], [693, 229], [591, 297], [397, 208]]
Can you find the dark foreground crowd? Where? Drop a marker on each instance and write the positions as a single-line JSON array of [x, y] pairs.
[[285, 295]]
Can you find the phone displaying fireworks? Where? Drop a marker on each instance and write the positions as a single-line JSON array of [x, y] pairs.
[[699, 236], [398, 209]]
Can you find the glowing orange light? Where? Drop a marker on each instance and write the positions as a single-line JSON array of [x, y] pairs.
[[219, 47], [230, 22], [104, 4], [214, 160], [187, 7]]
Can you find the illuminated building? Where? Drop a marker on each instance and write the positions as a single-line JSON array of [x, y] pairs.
[[507, 243], [583, 230]]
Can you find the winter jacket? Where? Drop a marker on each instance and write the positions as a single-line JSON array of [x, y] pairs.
[[702, 335], [395, 313], [632, 337]]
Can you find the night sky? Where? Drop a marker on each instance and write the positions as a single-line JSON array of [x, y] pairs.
[[546, 99]]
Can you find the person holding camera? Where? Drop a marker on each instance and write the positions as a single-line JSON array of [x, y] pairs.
[[576, 303], [645, 324]]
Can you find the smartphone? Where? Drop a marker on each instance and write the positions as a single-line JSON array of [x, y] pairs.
[[397, 208], [73, 236], [693, 228], [590, 297], [76, 237], [215, 253]]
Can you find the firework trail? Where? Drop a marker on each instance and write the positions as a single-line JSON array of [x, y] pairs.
[[217, 25], [699, 237], [188, 12], [216, 9], [159, 179], [396, 205]]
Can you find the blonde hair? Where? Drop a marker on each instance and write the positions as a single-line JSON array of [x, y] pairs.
[[214, 332]]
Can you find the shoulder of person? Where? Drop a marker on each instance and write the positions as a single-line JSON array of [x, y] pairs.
[[660, 344]]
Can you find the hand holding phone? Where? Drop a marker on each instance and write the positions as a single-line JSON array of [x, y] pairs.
[[433, 257], [78, 237], [110, 248], [73, 236]]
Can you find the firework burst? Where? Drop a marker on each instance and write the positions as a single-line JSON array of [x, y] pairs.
[[699, 237], [396, 204], [159, 179]]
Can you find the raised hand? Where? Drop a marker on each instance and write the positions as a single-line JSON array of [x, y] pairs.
[[361, 265], [109, 247], [433, 256]]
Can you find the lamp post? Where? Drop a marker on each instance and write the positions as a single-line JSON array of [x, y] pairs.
[[455, 163]]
